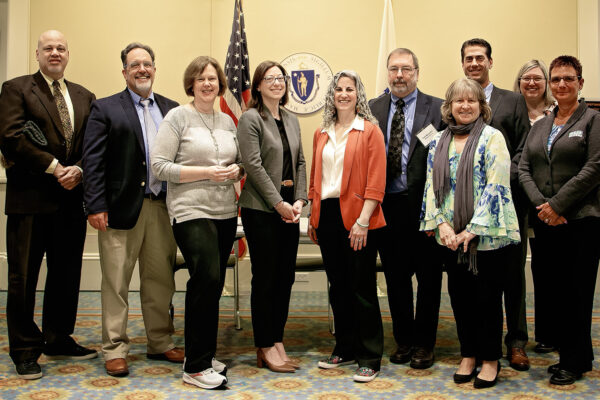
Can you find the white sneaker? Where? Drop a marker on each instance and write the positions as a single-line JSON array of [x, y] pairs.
[[207, 379], [218, 366], [365, 374]]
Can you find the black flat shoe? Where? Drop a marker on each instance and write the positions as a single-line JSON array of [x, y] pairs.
[[554, 368], [544, 348], [462, 378], [483, 384], [402, 354], [563, 377]]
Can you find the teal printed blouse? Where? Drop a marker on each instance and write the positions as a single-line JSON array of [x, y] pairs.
[[494, 218]]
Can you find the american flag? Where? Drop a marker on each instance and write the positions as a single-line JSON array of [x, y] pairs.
[[237, 70]]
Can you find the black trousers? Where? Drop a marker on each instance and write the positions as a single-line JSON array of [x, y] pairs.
[[570, 275], [405, 252], [205, 245], [513, 281], [61, 236], [542, 294], [273, 246], [477, 302], [353, 290]]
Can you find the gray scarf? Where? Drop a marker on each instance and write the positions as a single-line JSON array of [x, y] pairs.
[[463, 196]]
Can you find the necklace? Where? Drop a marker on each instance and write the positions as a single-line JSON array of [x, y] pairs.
[[211, 130]]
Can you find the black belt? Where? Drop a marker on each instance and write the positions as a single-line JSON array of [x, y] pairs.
[[152, 196]]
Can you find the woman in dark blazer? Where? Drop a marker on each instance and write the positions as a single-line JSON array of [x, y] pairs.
[[560, 172], [271, 200]]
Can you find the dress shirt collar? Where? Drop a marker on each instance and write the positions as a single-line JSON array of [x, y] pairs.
[[407, 99], [488, 91], [136, 98], [358, 124], [61, 82]]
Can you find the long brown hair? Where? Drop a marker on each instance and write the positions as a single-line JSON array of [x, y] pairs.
[[259, 73]]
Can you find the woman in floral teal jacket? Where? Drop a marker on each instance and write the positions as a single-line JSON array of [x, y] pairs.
[[468, 207]]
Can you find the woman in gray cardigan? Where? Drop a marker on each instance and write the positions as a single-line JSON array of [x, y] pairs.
[[560, 172], [196, 152], [271, 200]]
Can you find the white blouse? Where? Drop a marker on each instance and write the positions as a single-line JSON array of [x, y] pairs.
[[333, 159]]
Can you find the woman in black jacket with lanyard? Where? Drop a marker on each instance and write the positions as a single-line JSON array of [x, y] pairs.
[[271, 202], [560, 172]]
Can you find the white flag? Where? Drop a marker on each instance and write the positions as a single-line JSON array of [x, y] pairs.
[[387, 43]]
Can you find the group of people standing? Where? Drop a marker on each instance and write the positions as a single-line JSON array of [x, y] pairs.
[[431, 185]]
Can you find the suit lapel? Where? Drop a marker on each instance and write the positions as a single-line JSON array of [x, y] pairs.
[[348, 158], [321, 142], [574, 118], [132, 115], [421, 110], [42, 91], [381, 112], [495, 100]]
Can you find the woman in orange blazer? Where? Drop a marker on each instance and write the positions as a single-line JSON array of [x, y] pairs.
[[347, 184]]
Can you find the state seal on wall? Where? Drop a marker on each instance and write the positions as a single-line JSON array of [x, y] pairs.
[[309, 78]]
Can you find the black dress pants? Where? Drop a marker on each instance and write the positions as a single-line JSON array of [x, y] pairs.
[[477, 302], [405, 252], [353, 290], [273, 246], [513, 280], [542, 292], [205, 245], [571, 275], [61, 236]]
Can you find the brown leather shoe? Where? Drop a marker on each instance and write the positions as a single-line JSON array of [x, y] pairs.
[[175, 355], [517, 359], [116, 367]]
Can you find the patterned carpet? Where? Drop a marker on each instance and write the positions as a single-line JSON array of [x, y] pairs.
[[307, 340]]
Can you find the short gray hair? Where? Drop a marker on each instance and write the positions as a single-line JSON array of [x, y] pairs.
[[548, 99], [362, 105], [402, 50], [460, 87]]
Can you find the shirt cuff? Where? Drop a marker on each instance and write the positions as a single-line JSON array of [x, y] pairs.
[[52, 167]]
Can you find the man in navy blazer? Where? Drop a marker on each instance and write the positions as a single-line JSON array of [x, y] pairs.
[[44, 205], [404, 251], [509, 116], [126, 204]]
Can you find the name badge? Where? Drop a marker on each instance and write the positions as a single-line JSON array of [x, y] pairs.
[[427, 134], [576, 134]]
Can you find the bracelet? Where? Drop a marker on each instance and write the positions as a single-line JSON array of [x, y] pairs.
[[361, 225]]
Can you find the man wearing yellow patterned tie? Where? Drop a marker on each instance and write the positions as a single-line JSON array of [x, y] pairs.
[[43, 121], [125, 202]]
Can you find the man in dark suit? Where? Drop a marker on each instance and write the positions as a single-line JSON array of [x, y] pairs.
[[44, 205], [126, 204], [509, 116], [405, 251]]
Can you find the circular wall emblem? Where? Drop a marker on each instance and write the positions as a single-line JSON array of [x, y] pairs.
[[310, 76]]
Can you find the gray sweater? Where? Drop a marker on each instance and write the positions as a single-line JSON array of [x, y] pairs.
[[183, 139]]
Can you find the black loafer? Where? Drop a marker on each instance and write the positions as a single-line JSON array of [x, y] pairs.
[[483, 384], [28, 369], [563, 377], [69, 351], [402, 354], [554, 368], [422, 358], [544, 348], [462, 378]]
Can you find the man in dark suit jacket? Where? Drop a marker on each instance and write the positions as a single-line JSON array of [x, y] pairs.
[[509, 116], [404, 250], [126, 204], [44, 205]]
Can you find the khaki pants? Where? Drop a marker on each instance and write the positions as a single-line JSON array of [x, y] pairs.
[[151, 241]]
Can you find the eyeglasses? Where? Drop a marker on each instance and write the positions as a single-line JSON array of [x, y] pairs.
[[407, 71], [555, 80], [136, 65], [272, 79], [529, 79]]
